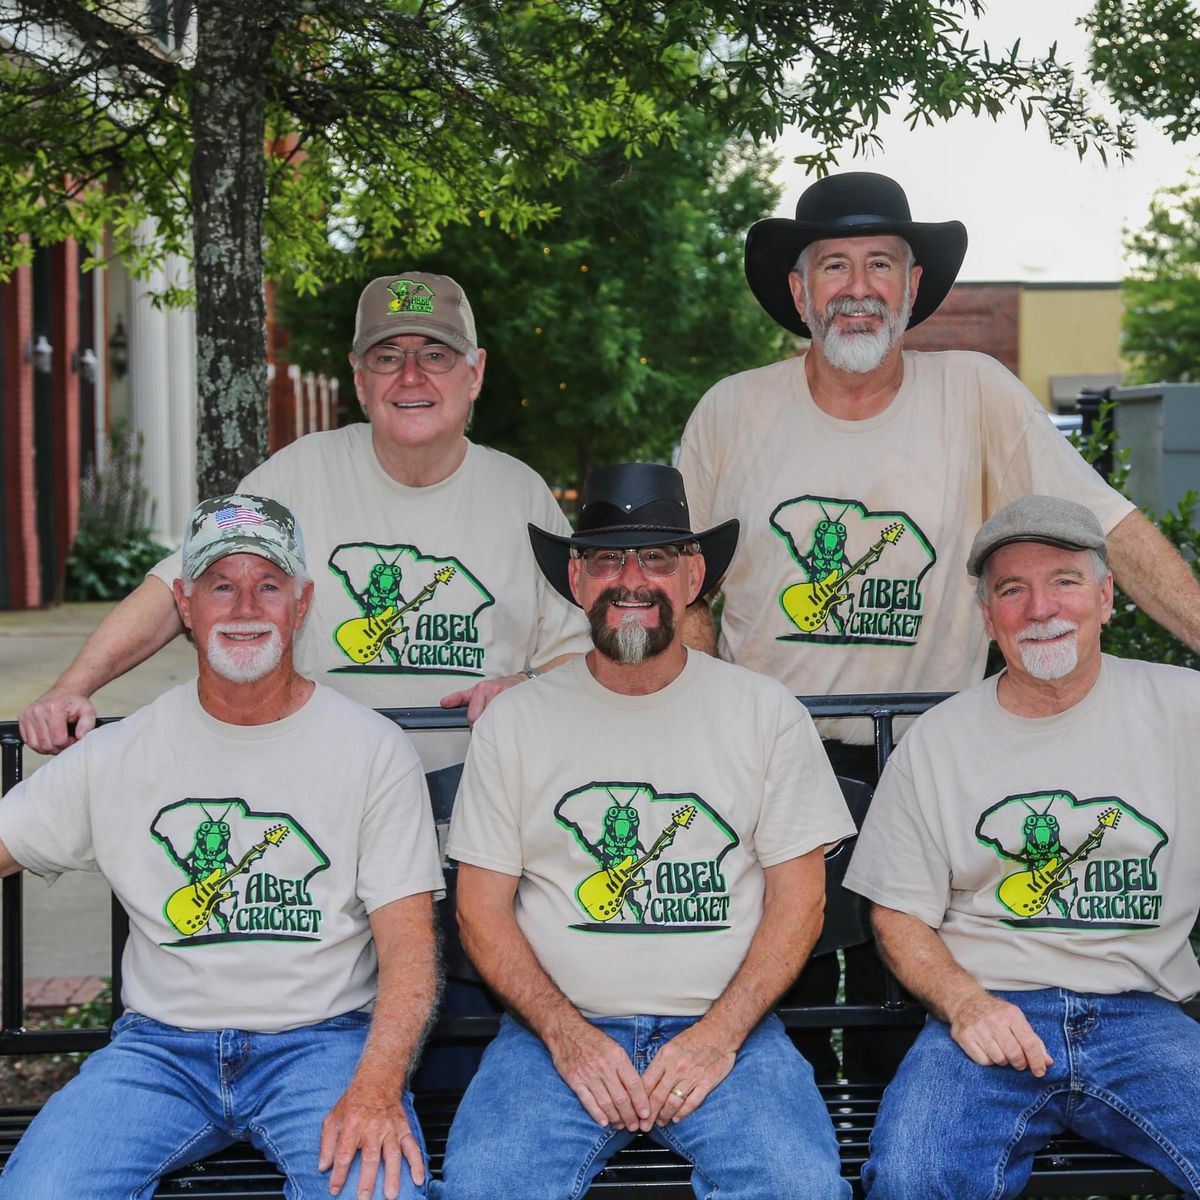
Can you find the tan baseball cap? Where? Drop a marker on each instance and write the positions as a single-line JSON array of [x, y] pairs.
[[415, 302], [242, 524]]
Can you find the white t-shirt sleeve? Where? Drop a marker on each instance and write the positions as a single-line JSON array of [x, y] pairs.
[[802, 807], [397, 845], [697, 465], [45, 822], [899, 860], [1028, 455], [485, 829]]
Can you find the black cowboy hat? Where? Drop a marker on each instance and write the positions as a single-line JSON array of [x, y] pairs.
[[856, 204], [630, 505]]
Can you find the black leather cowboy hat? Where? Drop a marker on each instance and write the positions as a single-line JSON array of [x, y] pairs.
[[856, 204], [627, 506]]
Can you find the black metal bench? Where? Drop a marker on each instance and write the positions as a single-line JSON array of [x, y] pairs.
[[1069, 1166]]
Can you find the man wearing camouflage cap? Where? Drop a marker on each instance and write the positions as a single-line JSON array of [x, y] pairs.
[[1031, 856], [425, 586], [273, 845]]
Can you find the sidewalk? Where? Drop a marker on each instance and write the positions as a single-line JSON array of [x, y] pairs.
[[67, 926]]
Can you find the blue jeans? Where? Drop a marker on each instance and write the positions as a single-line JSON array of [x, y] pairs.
[[762, 1134], [1126, 1074], [158, 1098]]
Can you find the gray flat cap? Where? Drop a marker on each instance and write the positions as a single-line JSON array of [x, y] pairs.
[[1045, 519]]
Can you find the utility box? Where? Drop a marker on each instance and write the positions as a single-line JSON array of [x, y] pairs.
[[1160, 425]]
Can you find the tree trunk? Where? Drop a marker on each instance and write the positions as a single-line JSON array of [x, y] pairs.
[[228, 114]]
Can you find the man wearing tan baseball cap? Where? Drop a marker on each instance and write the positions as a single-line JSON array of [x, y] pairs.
[[1030, 853], [426, 590]]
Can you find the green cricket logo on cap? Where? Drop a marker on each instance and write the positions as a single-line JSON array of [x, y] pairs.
[[410, 297]]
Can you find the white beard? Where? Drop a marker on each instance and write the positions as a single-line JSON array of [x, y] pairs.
[[857, 351], [632, 639], [244, 663], [1049, 660]]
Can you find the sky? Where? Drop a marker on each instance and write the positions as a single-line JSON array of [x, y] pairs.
[[1033, 211]]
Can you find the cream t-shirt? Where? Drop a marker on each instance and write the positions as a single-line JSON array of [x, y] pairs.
[[1058, 851], [420, 591], [295, 831], [640, 825], [850, 575]]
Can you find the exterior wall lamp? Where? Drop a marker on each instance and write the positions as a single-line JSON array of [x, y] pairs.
[[118, 349]]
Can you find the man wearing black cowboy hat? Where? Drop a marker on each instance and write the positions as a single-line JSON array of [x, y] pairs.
[[640, 840], [859, 470]]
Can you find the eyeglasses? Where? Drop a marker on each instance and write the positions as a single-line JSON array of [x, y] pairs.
[[654, 560], [389, 360]]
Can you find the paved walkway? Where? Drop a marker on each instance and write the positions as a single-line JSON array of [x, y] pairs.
[[66, 925]]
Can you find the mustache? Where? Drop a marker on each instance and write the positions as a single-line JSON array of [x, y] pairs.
[[623, 595], [848, 306], [1041, 631]]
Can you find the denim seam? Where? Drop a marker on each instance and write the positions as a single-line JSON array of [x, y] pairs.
[[664, 1132], [1150, 1131], [1019, 1127], [581, 1179], [175, 1159]]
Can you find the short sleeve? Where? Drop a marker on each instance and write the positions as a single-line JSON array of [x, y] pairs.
[[697, 466], [397, 845], [802, 804], [485, 830], [45, 822], [899, 860], [561, 626], [1028, 455]]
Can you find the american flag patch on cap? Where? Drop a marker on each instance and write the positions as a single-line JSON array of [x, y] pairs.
[[226, 518]]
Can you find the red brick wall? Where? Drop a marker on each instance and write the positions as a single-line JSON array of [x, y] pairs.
[[975, 316], [16, 410]]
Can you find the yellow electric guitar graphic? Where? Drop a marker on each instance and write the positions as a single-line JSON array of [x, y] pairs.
[[1028, 892], [808, 604], [362, 638], [603, 893], [190, 908]]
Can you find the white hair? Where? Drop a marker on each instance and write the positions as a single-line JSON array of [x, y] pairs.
[[1099, 569], [301, 580], [802, 262]]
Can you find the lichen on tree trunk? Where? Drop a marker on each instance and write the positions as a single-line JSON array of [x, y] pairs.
[[228, 118]]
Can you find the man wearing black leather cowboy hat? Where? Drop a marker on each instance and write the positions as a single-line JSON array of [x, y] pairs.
[[859, 470], [642, 793]]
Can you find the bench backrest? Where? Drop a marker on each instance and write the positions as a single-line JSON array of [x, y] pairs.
[[845, 918]]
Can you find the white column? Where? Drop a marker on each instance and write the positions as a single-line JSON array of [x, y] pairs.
[[149, 392], [298, 393], [310, 396], [99, 340], [181, 403]]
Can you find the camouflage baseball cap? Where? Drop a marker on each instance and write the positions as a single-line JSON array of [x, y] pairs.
[[415, 302], [242, 524]]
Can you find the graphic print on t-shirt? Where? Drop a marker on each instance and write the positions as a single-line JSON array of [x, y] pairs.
[[408, 612], [246, 874], [657, 859], [860, 572], [1086, 864]]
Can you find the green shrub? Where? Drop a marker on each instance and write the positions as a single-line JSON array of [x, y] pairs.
[[113, 549]]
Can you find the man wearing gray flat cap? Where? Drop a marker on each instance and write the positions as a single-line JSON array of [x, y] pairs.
[[1031, 853], [860, 470], [425, 589]]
